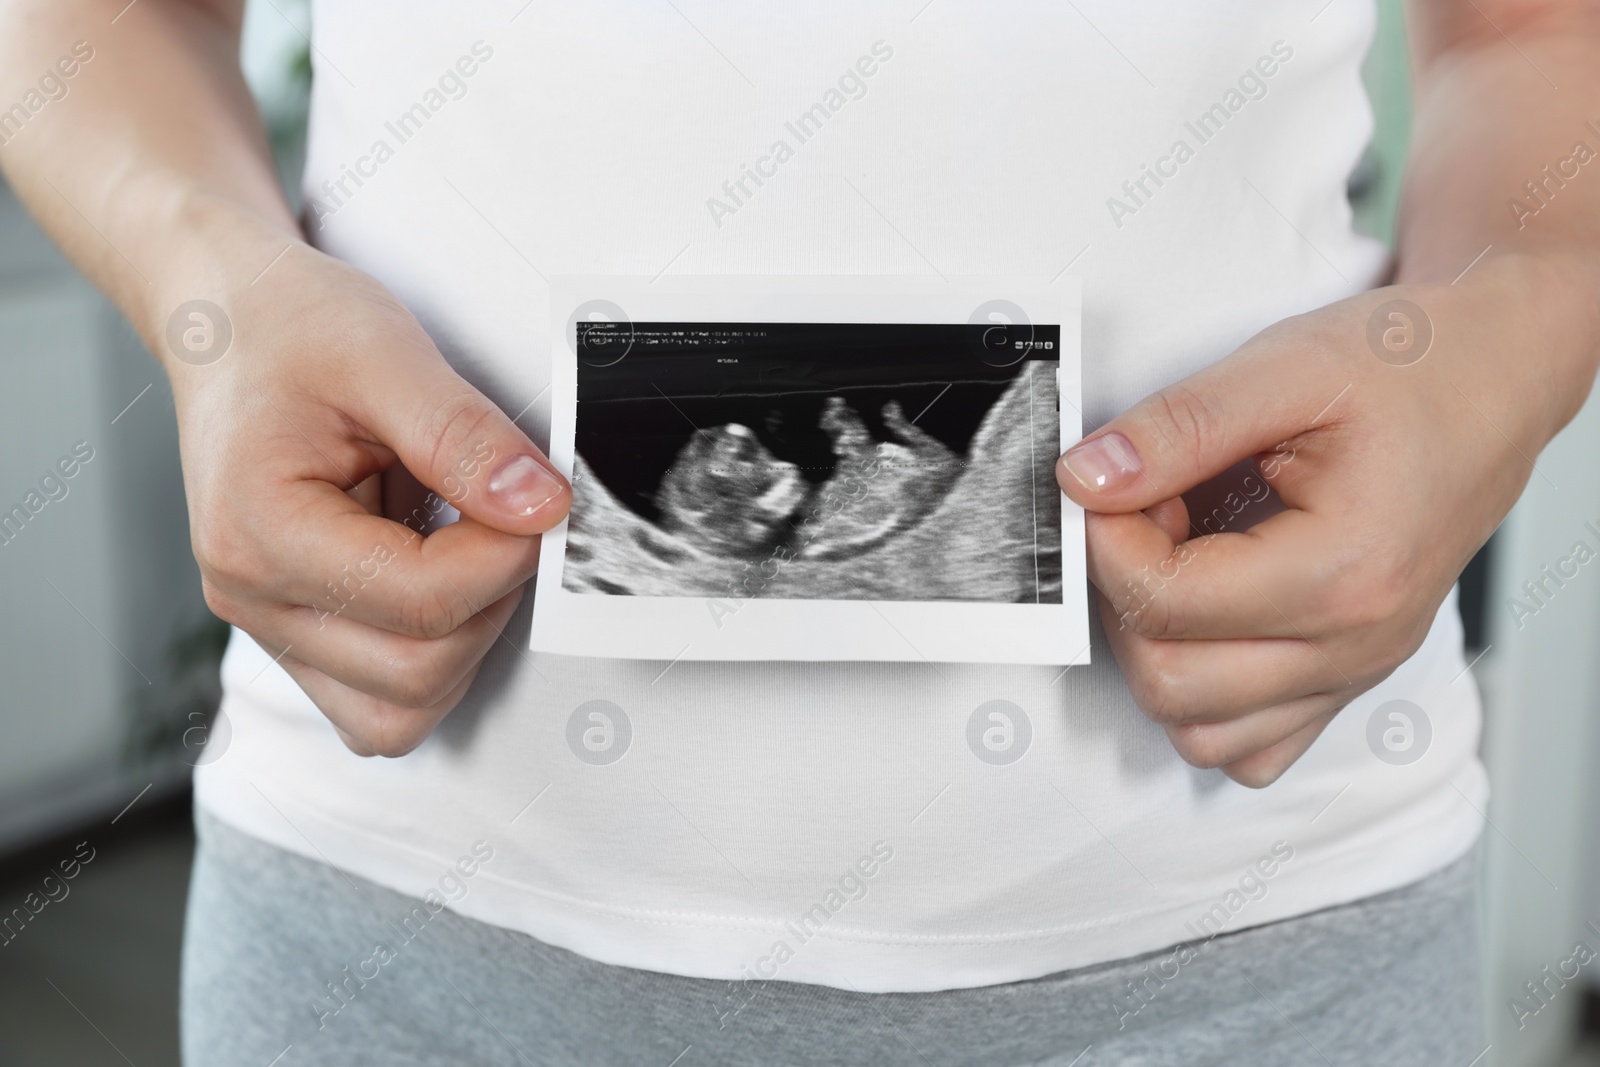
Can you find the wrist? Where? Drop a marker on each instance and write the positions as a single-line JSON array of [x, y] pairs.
[[1529, 321], [212, 251]]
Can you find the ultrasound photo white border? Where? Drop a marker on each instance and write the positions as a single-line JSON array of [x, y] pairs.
[[671, 628]]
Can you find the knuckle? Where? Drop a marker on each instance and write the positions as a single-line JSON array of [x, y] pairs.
[[390, 732], [220, 553], [1315, 340], [455, 424], [221, 604], [1324, 342], [1155, 619], [1330, 600], [381, 327], [369, 724], [355, 744], [1145, 611], [1255, 774], [1201, 745], [428, 613], [392, 744], [1379, 600], [419, 684], [1363, 596], [1161, 695], [1392, 595], [1184, 423]]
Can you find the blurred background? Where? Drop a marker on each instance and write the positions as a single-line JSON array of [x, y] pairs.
[[108, 658]]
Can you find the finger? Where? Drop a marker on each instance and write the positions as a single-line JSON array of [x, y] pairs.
[[1260, 769], [458, 443], [1281, 578], [1216, 744], [369, 725], [333, 557], [1178, 682], [408, 671], [1274, 389], [1171, 517]]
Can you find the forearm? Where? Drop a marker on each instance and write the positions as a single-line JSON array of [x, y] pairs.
[[152, 171], [1495, 166]]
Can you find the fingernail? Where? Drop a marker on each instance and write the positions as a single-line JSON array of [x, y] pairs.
[[524, 485], [1104, 462]]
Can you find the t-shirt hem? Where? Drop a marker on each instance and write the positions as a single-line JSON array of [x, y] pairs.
[[701, 945]]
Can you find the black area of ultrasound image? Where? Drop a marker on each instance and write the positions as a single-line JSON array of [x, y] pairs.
[[816, 461]]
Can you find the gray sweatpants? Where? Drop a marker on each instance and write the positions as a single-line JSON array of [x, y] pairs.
[[274, 943]]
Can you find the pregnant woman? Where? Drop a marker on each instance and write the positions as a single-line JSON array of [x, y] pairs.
[[426, 845]]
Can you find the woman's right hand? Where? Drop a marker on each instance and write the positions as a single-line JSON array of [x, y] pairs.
[[151, 170], [328, 382]]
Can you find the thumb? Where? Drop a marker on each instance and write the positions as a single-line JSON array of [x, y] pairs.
[[458, 443], [1190, 432]]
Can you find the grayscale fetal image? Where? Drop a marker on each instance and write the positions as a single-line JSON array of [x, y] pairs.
[[817, 462]]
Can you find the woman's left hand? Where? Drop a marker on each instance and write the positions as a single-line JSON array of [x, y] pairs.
[[1391, 470]]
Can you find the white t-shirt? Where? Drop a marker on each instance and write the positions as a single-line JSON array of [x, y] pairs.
[[829, 823]]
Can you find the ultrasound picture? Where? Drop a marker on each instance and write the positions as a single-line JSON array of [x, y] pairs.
[[816, 461]]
